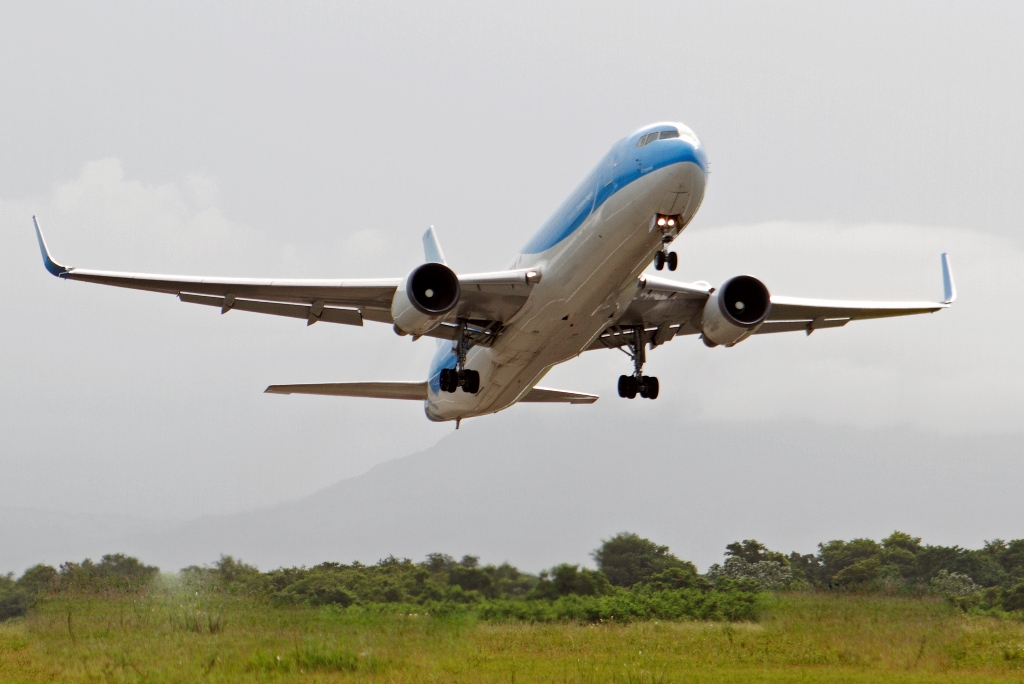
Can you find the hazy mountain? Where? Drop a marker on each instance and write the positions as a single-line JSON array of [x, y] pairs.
[[538, 495]]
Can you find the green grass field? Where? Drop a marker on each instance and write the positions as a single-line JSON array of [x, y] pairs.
[[170, 635]]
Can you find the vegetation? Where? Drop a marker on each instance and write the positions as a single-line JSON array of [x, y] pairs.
[[896, 610]]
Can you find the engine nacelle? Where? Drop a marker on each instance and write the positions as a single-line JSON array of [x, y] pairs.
[[428, 293], [735, 310]]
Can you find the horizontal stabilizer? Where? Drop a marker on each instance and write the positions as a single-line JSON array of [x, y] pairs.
[[545, 395], [375, 390]]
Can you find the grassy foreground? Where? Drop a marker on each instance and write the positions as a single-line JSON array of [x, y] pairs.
[[171, 635]]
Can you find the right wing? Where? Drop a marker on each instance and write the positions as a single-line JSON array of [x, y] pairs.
[[545, 395], [663, 309], [488, 299]]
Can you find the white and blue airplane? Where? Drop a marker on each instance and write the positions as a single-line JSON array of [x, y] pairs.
[[578, 284]]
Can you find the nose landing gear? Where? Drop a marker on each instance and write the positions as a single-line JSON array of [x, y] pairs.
[[670, 227], [638, 383], [665, 258]]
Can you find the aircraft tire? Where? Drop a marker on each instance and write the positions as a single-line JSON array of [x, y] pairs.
[[672, 261], [653, 387], [449, 380], [659, 260], [627, 387]]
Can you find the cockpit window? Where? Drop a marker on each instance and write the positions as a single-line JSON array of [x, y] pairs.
[[657, 135]]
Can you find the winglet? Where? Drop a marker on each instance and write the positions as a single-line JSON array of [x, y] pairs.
[[51, 265], [948, 286], [432, 248]]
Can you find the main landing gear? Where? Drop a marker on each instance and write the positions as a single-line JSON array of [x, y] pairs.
[[670, 227], [638, 383], [453, 378]]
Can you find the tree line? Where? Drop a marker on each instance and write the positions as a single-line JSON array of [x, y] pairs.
[[635, 578]]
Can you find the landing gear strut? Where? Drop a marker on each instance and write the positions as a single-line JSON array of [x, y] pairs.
[[453, 378], [670, 227], [638, 383]]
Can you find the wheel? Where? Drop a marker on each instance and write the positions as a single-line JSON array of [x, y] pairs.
[[630, 387], [659, 260], [472, 381], [652, 388], [672, 260], [453, 380], [623, 384], [443, 380], [642, 386]]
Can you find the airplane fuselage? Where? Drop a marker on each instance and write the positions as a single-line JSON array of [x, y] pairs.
[[589, 254]]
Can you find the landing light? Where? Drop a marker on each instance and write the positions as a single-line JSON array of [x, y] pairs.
[[671, 222], [661, 222]]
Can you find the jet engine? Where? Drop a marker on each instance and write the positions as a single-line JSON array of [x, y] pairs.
[[734, 311], [428, 293]]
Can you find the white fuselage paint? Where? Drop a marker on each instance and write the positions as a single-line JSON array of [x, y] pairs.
[[588, 280]]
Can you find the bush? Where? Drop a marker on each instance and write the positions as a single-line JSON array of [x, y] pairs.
[[767, 574], [627, 559], [16, 597], [114, 571], [1013, 598], [953, 584], [861, 572]]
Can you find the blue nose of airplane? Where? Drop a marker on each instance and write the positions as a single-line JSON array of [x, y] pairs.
[[666, 144], [687, 147]]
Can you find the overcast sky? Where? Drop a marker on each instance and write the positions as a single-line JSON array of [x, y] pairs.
[[849, 145]]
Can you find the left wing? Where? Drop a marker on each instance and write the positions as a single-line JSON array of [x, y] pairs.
[[487, 301], [416, 391], [665, 308]]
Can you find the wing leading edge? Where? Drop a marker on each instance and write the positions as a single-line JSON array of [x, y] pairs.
[[489, 299]]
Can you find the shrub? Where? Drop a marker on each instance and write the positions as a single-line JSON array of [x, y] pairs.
[[767, 574], [953, 584], [861, 572], [1013, 598], [627, 559]]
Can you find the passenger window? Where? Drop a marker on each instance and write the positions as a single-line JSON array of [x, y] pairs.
[[669, 134]]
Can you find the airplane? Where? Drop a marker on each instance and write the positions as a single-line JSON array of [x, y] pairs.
[[577, 285]]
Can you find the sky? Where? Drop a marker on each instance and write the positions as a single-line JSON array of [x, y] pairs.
[[849, 145]]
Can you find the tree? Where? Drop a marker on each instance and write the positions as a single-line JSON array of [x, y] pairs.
[[980, 566], [627, 559], [902, 540], [753, 551], [838, 555], [566, 579], [861, 572], [1013, 599]]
